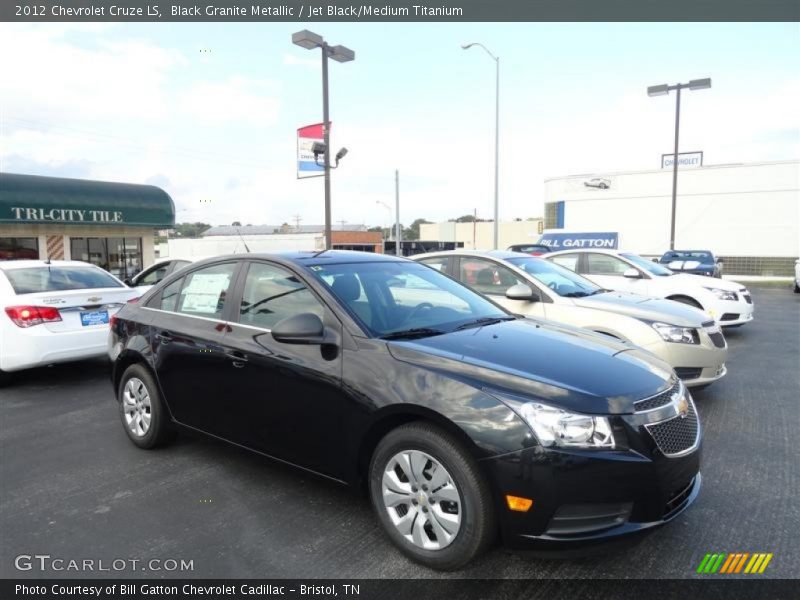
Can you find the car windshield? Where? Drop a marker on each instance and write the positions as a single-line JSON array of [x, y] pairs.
[[405, 299], [698, 255], [648, 265], [31, 280], [561, 280]]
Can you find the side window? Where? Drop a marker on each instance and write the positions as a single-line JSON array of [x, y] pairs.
[[439, 263], [154, 276], [486, 277], [205, 291], [570, 261], [604, 264], [169, 296], [271, 294]]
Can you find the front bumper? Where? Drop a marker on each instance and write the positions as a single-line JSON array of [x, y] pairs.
[[695, 364], [586, 497], [729, 313]]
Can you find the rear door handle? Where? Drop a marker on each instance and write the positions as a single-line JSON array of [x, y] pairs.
[[165, 337], [239, 358]]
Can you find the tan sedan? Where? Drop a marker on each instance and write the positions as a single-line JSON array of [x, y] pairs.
[[683, 336]]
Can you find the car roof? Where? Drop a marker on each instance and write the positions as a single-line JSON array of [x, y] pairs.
[[598, 250], [29, 263], [311, 257], [687, 251], [499, 254]]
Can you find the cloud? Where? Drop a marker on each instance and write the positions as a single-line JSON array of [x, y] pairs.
[[235, 99], [294, 60]]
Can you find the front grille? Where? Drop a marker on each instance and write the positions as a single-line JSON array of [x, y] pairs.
[[678, 434], [718, 339], [677, 499], [688, 372], [729, 317], [661, 399]]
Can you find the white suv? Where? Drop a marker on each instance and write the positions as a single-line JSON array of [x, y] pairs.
[[727, 302], [54, 312]]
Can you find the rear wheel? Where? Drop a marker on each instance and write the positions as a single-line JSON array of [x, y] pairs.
[[141, 410], [430, 496], [5, 378]]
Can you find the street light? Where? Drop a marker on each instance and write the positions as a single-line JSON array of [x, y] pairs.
[[310, 40], [496, 59], [663, 90]]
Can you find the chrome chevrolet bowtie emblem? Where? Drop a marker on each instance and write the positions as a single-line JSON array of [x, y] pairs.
[[94, 299], [683, 408]]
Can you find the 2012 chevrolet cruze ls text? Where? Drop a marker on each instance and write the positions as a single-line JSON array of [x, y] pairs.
[[460, 418]]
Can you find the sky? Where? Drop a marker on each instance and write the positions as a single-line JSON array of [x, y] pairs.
[[209, 112]]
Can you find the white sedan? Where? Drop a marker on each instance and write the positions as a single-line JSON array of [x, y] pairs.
[[56, 311], [727, 302]]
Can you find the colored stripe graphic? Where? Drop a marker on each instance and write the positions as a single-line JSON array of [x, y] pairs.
[[733, 563]]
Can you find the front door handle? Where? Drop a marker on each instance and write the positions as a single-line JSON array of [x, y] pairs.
[[239, 358], [165, 337]]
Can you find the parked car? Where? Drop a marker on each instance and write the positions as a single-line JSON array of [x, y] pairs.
[[696, 262], [461, 418], [727, 302], [797, 276], [55, 311], [532, 249], [683, 336], [147, 278]]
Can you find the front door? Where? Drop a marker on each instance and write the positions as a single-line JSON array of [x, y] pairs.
[[287, 397]]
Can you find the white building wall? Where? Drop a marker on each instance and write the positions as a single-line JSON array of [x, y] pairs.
[[738, 210], [196, 248], [480, 236]]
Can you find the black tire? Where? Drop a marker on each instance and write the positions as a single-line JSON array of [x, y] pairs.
[[796, 288], [686, 300], [477, 527], [160, 430], [5, 378]]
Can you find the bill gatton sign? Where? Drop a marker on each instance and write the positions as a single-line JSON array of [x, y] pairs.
[[65, 215]]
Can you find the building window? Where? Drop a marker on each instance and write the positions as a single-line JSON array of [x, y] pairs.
[[119, 256], [17, 248]]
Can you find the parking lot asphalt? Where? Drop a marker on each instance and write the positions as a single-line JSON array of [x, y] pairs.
[[74, 487]]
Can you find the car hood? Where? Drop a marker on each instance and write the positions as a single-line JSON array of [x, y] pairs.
[[722, 284], [541, 360], [646, 308]]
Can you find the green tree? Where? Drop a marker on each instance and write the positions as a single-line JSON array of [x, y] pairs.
[[412, 233], [189, 230]]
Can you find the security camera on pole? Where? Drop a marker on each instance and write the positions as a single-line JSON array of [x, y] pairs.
[[309, 40]]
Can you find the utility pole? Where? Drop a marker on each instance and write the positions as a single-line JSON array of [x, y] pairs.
[[398, 233]]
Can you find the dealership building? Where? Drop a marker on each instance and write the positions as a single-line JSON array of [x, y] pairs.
[[111, 225], [748, 214]]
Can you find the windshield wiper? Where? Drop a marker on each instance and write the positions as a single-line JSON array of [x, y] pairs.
[[412, 333], [576, 294], [483, 321]]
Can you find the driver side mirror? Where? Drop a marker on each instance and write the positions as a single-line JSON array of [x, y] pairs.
[[305, 328], [720, 261], [632, 273], [655, 260], [128, 281], [521, 291]]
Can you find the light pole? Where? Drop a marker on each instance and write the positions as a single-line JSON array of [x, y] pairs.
[[398, 234], [309, 40], [663, 90], [496, 59]]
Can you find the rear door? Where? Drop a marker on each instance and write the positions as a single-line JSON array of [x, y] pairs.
[[188, 325], [287, 397]]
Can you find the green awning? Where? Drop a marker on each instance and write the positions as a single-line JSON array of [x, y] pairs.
[[34, 199]]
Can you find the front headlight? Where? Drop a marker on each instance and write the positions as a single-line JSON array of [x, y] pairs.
[[679, 335], [556, 427], [723, 294]]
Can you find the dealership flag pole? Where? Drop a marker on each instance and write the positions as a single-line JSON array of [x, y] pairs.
[[675, 169], [398, 231]]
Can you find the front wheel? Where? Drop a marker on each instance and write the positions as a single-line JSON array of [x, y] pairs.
[[430, 496], [5, 378], [141, 410], [796, 288]]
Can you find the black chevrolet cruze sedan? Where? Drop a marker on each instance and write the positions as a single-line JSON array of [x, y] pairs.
[[459, 418]]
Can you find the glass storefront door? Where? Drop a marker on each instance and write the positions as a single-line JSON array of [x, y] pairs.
[[121, 257]]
